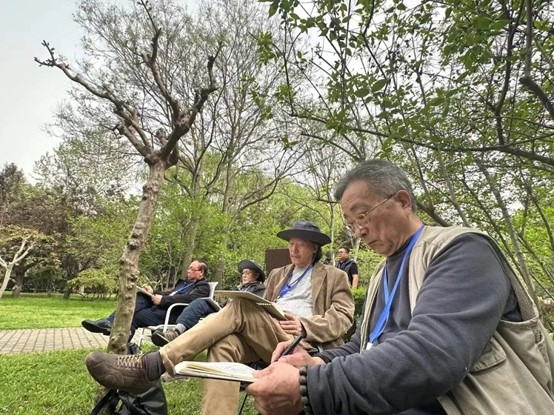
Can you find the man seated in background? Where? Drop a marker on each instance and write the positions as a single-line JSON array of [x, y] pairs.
[[317, 302], [150, 310], [252, 280]]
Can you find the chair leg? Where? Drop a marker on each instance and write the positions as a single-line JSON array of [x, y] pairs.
[[241, 407]]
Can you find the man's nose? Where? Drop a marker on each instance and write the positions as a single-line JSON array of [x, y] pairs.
[[360, 232]]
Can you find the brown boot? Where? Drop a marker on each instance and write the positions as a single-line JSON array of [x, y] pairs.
[[114, 371]]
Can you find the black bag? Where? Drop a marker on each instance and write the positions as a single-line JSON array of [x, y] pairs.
[[117, 402]]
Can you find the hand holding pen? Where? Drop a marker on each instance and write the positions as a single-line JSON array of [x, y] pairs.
[[289, 352], [289, 349]]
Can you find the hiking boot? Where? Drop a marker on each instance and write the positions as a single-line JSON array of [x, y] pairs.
[[103, 326], [161, 338], [115, 371]]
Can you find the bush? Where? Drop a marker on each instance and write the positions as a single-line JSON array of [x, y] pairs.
[[93, 283], [359, 298]]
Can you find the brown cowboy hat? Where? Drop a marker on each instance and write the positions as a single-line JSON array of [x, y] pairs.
[[305, 229]]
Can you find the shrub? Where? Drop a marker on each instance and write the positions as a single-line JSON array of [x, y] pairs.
[[359, 298], [93, 283]]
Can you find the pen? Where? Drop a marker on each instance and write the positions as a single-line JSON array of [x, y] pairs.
[[291, 346]]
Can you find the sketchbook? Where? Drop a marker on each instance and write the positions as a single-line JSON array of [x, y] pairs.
[[269, 306], [142, 290], [236, 372]]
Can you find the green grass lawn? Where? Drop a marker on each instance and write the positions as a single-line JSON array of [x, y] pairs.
[[33, 311], [57, 383]]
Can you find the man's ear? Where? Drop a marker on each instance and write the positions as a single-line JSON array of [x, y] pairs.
[[404, 198]]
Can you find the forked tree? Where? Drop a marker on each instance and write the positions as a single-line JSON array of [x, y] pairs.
[[148, 111]]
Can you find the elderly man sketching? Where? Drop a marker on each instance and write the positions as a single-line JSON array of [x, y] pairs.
[[317, 302], [150, 310], [447, 328]]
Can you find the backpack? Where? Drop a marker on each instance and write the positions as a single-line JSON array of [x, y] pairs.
[[118, 402]]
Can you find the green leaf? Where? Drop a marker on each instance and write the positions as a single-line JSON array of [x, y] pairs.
[[380, 84], [361, 92]]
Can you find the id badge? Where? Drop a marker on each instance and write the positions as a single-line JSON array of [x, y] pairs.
[[369, 346]]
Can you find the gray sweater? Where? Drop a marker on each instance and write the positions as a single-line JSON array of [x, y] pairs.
[[420, 357]]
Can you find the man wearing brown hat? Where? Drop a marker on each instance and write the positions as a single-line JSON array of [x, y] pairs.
[[317, 302]]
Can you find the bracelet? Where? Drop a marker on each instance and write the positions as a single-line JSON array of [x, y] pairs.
[[303, 372]]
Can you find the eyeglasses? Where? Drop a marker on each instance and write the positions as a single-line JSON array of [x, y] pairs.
[[194, 269], [362, 219]]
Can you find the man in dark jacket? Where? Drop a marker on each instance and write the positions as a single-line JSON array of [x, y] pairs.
[[348, 265], [151, 307], [252, 280]]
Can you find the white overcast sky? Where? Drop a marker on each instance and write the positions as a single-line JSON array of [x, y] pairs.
[[29, 94]]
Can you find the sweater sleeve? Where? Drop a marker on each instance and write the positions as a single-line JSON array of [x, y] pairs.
[[463, 297]]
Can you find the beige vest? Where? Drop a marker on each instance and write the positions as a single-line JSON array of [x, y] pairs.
[[514, 374]]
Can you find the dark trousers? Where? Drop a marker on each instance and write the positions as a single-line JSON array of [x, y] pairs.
[[146, 314], [196, 310]]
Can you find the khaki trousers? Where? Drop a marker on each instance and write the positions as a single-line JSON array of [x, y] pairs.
[[241, 332]]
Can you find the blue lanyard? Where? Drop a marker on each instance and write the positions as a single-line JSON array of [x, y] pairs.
[[290, 285], [389, 296], [183, 288]]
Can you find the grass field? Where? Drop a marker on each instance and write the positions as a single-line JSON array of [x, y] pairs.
[[34, 311], [57, 383]]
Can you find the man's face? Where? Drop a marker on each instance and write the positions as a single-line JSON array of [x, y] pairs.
[[194, 272], [342, 254], [301, 252], [386, 227]]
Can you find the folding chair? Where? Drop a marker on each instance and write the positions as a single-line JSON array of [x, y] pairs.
[[147, 335]]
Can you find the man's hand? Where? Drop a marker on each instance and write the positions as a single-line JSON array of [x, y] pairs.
[[297, 358], [291, 325], [157, 299], [276, 390]]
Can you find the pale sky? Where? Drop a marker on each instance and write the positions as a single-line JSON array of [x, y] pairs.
[[29, 94]]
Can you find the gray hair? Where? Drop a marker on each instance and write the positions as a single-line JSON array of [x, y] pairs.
[[382, 177]]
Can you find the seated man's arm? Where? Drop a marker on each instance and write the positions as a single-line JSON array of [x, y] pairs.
[[457, 311], [198, 291], [339, 315]]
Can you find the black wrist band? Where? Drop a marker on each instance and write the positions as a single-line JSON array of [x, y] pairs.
[[303, 379]]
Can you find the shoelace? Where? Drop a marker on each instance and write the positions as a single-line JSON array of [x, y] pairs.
[[130, 361]]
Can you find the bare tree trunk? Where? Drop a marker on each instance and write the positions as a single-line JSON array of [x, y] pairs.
[[219, 270], [128, 269], [190, 243], [7, 276], [19, 276]]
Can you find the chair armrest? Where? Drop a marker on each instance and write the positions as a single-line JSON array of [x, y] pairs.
[[168, 314]]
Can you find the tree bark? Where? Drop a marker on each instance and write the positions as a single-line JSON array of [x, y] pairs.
[[190, 243], [7, 275], [128, 269]]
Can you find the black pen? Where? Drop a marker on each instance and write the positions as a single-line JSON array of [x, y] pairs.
[[291, 346]]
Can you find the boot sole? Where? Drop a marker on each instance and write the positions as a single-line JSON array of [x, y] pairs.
[[93, 328], [159, 340]]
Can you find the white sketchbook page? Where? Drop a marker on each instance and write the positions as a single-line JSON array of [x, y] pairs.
[[216, 370], [270, 306]]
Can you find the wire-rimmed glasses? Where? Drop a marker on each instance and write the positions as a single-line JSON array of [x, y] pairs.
[[362, 219]]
